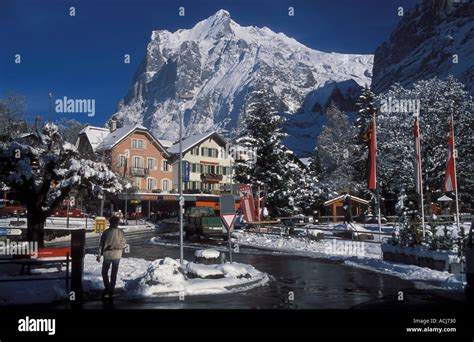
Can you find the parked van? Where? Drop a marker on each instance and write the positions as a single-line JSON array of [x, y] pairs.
[[10, 208]]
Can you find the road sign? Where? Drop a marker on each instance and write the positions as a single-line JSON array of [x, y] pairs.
[[228, 220], [227, 206], [186, 170]]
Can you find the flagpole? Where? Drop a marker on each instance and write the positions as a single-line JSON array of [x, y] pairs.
[[376, 180], [422, 210], [455, 175], [419, 177]]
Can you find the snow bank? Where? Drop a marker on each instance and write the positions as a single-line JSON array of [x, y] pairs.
[[162, 275], [328, 248], [353, 227], [217, 271], [165, 279], [314, 232], [129, 269], [234, 270], [207, 254], [422, 251], [204, 271], [421, 276], [141, 278]]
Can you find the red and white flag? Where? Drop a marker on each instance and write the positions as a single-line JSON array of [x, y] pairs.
[[247, 203], [418, 174], [372, 136], [450, 183]]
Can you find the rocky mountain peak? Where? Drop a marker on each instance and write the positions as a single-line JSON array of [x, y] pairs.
[[434, 39], [220, 63]]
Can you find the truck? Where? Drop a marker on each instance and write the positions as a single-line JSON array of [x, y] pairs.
[[203, 222]]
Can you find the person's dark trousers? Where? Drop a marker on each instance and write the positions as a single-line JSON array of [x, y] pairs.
[[469, 289], [110, 285]]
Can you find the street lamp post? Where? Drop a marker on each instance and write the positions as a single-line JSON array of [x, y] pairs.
[[127, 186], [183, 97]]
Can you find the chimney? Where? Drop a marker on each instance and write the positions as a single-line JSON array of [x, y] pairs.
[[113, 125]]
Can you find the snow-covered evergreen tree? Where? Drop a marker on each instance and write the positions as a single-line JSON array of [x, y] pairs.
[[275, 167], [43, 170], [360, 155], [334, 149], [438, 99], [314, 191], [69, 129]]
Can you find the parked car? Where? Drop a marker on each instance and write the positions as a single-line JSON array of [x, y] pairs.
[[10, 208], [63, 213], [203, 222]]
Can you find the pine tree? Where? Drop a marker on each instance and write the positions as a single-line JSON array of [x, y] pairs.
[[275, 167], [438, 99], [366, 108], [408, 230], [312, 191], [333, 150]]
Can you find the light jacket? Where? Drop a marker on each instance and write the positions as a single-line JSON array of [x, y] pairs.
[[112, 243]]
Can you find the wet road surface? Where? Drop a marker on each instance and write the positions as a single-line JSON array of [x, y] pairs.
[[296, 282]]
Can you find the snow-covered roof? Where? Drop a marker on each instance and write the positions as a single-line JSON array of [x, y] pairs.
[[95, 135], [193, 140], [116, 136], [166, 143], [341, 197], [444, 198], [113, 138]]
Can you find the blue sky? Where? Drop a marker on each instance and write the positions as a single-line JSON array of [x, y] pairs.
[[82, 56]]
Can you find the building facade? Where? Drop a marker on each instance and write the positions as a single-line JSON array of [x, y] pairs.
[[209, 163], [134, 153]]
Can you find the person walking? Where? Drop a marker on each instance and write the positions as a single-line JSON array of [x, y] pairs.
[[112, 243]]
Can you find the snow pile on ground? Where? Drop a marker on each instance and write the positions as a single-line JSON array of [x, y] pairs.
[[141, 278], [423, 251], [136, 227], [421, 276], [355, 228], [204, 271], [217, 271], [47, 291], [164, 277], [207, 254], [314, 232], [329, 248], [234, 270], [129, 269]]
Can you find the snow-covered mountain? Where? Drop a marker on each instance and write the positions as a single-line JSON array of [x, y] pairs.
[[219, 62], [435, 39]]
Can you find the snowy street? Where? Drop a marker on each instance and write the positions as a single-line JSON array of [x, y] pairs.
[[295, 281]]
